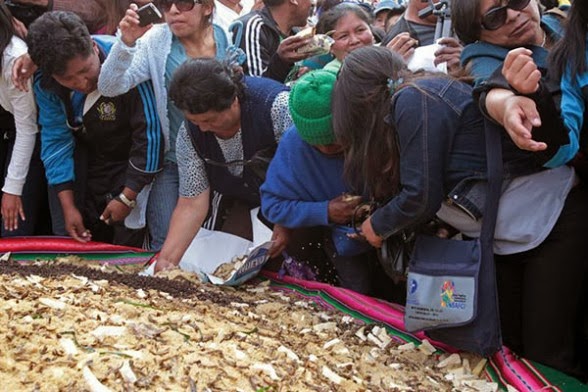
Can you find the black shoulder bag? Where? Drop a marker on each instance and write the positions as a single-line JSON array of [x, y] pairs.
[[451, 286]]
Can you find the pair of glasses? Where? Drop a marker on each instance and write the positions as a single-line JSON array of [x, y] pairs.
[[181, 5], [495, 18]]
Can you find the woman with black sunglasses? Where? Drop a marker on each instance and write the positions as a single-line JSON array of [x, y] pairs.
[[154, 52], [490, 29], [538, 323]]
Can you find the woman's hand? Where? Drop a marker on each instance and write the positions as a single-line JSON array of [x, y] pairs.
[[22, 70], [20, 28], [340, 210], [115, 211], [288, 49], [11, 211], [521, 72], [163, 264], [404, 45], [450, 53], [370, 235], [74, 225], [130, 31], [520, 117], [281, 238]]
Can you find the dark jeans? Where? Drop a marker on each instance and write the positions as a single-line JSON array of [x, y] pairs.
[[541, 291]]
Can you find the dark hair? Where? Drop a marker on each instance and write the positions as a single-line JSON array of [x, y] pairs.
[[549, 4], [7, 30], [115, 11], [361, 102], [571, 49], [200, 85], [328, 20], [55, 38], [465, 18], [467, 21], [273, 3], [327, 5]]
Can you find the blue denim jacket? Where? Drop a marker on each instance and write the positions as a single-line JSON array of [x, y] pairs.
[[442, 154]]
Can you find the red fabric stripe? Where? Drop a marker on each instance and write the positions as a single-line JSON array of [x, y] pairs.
[[59, 245]]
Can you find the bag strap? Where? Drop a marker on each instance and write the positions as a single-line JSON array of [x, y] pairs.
[[236, 28], [494, 172]]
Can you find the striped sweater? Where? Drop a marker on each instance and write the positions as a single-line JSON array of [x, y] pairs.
[[257, 34]]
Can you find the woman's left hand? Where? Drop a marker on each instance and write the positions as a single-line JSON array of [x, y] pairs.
[[11, 210], [450, 53], [521, 72], [115, 211], [281, 238], [22, 70], [404, 45], [370, 235], [21, 29]]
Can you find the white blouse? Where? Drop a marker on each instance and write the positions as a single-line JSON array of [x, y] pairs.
[[22, 106]]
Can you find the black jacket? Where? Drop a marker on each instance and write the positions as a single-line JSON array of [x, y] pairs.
[[257, 34]]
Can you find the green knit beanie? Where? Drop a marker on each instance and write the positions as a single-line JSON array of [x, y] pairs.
[[310, 106]]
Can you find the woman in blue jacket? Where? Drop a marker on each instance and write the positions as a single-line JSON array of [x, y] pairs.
[[417, 146]]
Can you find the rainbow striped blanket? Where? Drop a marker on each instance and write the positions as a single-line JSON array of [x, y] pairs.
[[504, 367]]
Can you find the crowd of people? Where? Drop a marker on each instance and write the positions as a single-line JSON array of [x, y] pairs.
[[141, 135]]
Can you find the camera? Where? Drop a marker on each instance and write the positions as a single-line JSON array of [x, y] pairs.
[[148, 14]]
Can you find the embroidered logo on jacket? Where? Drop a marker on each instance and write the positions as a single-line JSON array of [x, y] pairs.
[[107, 111]]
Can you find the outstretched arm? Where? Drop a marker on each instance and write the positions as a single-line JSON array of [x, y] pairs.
[[127, 64], [185, 223]]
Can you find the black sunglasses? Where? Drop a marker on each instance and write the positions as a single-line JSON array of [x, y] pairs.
[[181, 5], [495, 18]]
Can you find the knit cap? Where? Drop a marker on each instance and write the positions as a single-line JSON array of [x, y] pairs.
[[390, 5], [310, 106]]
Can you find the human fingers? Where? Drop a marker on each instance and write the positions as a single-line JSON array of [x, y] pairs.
[[446, 58], [370, 235], [277, 248], [519, 125], [400, 41], [10, 219], [449, 42], [11, 210], [514, 54], [22, 69], [522, 74], [80, 234]]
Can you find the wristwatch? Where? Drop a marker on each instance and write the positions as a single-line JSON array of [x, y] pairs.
[[126, 201]]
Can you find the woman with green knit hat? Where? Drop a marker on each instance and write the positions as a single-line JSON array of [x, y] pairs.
[[304, 186]]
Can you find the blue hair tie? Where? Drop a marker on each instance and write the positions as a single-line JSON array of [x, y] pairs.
[[393, 84]]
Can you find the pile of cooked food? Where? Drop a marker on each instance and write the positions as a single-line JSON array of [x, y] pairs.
[[65, 326]]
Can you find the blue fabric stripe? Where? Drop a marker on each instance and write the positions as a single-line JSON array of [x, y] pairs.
[[153, 126], [156, 133], [572, 111]]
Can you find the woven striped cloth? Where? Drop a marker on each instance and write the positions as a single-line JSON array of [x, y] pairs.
[[504, 367]]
